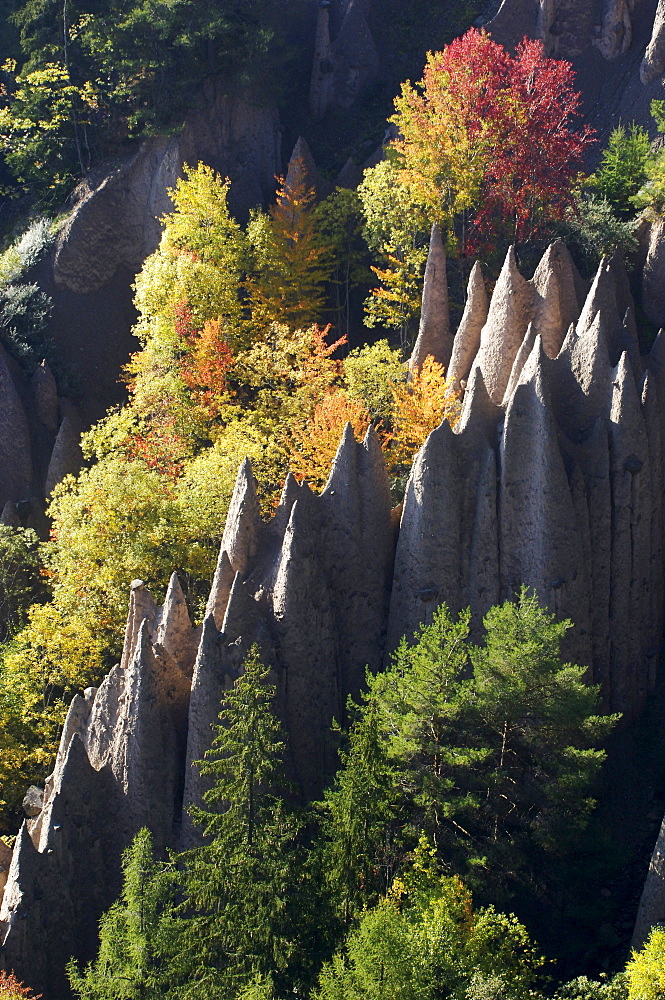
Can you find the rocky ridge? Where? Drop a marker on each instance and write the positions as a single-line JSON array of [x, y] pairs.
[[552, 477]]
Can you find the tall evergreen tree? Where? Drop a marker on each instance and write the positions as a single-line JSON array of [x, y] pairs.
[[358, 817], [136, 934], [249, 890]]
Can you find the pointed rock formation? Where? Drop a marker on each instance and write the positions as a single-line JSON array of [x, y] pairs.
[[15, 451], [56, 896], [356, 552], [510, 312], [221, 588], [616, 30], [244, 528], [521, 358], [143, 752], [434, 337], [467, 338], [141, 607], [302, 170], [45, 393], [66, 457], [323, 68], [581, 380], [555, 304], [355, 57], [653, 64], [653, 274], [631, 532], [539, 539], [651, 910], [175, 636], [483, 574], [350, 175], [308, 642], [291, 491], [428, 557], [9, 515], [593, 458], [652, 412], [602, 302], [480, 416]]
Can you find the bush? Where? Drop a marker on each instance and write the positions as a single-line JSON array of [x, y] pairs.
[[595, 229], [24, 314]]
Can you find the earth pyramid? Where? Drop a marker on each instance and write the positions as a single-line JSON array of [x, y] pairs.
[[551, 478]]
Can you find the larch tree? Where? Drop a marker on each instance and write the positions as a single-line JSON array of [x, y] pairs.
[[290, 263]]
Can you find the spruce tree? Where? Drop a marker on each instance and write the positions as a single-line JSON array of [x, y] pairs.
[[136, 934], [249, 891], [359, 851]]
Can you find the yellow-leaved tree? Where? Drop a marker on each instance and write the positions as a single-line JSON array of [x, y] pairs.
[[290, 265], [420, 406]]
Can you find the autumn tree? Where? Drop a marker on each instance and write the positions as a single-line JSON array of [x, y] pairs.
[[371, 373], [489, 140], [645, 972], [397, 229], [205, 364], [315, 443], [12, 989], [420, 406], [42, 129], [290, 267]]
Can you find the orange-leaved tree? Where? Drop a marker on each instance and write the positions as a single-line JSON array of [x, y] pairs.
[[420, 406], [315, 443], [205, 363], [11, 988], [290, 262]]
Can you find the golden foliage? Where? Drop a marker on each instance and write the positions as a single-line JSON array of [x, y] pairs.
[[645, 972], [11, 988], [420, 406], [315, 443], [290, 263]]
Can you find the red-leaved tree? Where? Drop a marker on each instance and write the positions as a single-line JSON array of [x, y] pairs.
[[492, 141]]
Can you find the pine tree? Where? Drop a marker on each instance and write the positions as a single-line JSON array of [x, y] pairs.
[[490, 750], [623, 166], [537, 717]]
